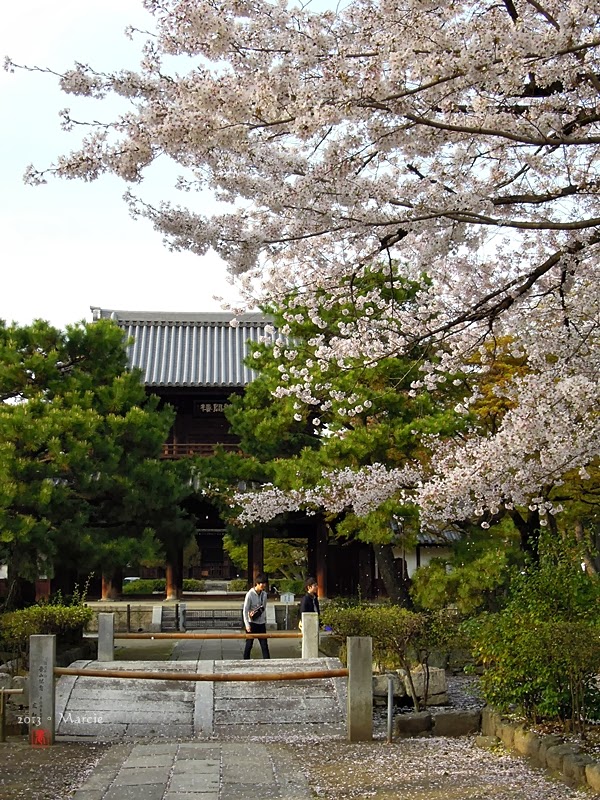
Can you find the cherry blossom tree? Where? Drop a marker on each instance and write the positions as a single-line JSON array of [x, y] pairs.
[[457, 140]]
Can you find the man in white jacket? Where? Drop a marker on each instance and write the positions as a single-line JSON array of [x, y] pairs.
[[255, 615]]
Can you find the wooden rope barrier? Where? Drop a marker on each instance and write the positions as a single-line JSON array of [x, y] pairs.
[[280, 635], [194, 676]]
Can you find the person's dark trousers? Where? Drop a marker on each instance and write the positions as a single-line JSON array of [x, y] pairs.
[[264, 644]]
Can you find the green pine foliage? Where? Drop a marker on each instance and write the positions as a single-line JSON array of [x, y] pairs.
[[82, 483], [293, 445], [475, 576]]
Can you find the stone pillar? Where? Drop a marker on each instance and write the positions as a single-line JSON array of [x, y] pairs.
[[156, 624], [310, 635], [360, 688], [106, 637], [42, 661], [181, 612]]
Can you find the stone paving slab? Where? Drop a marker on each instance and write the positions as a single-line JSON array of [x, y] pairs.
[[157, 724], [146, 792], [196, 771]]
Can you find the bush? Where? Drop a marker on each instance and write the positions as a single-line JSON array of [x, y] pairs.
[[151, 585], [193, 585], [401, 638], [541, 652], [289, 585], [237, 585], [145, 586], [63, 621]]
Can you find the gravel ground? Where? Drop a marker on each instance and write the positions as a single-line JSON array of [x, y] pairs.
[[425, 769], [414, 769], [411, 769], [52, 773]]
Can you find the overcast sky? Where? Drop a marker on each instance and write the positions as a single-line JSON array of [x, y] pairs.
[[69, 245]]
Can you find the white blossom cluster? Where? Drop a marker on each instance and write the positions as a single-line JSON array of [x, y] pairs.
[[361, 491], [456, 140]]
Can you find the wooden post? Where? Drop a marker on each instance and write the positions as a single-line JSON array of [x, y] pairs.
[[42, 661], [42, 589], [112, 584], [258, 557], [174, 575], [360, 688]]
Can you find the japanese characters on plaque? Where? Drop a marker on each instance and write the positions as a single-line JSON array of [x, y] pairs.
[[208, 408]]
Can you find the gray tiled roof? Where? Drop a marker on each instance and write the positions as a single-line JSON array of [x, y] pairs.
[[433, 538], [189, 349]]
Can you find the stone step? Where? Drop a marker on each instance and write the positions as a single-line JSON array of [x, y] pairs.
[[168, 620], [112, 709]]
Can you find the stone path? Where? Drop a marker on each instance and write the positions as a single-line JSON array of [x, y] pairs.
[[195, 771]]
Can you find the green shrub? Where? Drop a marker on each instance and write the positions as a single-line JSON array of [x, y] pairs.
[[193, 585], [17, 626], [150, 585], [290, 585], [541, 652], [237, 585], [401, 638], [145, 586]]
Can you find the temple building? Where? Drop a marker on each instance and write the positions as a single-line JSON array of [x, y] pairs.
[[195, 362]]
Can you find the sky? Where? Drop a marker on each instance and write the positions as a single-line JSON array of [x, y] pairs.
[[69, 245]]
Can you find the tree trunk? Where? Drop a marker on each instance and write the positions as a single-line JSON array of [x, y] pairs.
[[590, 559], [21, 592], [395, 580], [112, 580], [529, 530], [174, 574]]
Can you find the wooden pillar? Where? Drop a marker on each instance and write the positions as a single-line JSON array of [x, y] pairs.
[[256, 557], [174, 574], [250, 561], [366, 571], [111, 583], [320, 572], [42, 589]]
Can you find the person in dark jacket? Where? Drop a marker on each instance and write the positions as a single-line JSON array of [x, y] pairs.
[[310, 601], [255, 615]]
